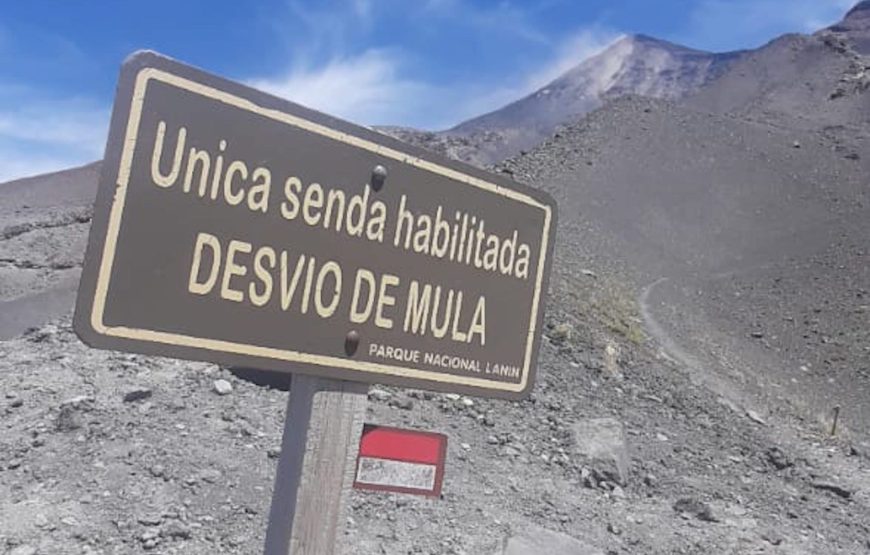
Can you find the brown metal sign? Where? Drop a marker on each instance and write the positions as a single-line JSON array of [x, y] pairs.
[[239, 228]]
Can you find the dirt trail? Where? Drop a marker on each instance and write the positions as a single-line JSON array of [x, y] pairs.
[[701, 372]]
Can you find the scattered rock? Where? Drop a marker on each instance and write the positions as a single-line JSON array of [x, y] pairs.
[[404, 404], [176, 531], [71, 415], [778, 459], [157, 471], [223, 387], [150, 520], [533, 540], [561, 333], [137, 394], [833, 488], [16, 402], [602, 442], [44, 333], [376, 394], [210, 475], [695, 508], [755, 417], [772, 537]]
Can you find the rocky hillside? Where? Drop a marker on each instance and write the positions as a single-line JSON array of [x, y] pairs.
[[708, 312], [728, 198], [625, 447], [855, 27], [815, 82], [44, 224], [635, 64]]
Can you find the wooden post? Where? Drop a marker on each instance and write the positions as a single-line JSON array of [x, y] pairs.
[[315, 471]]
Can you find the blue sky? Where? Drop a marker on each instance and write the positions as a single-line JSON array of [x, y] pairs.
[[421, 63]]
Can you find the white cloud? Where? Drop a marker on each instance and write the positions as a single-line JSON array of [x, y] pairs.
[[371, 88], [578, 47], [732, 24], [584, 44], [49, 135], [367, 89], [16, 164]]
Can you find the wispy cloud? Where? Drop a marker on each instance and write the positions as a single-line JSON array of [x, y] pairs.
[[583, 44], [373, 88], [48, 135], [732, 24], [570, 52], [367, 89], [44, 130]]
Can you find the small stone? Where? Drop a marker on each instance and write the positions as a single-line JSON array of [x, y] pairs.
[[561, 333], [778, 459], [771, 537], [404, 404], [71, 412], [492, 440], [223, 387], [452, 397], [796, 144], [465, 446], [466, 402], [16, 402], [176, 531], [273, 452], [833, 488], [210, 475], [137, 394], [376, 394], [150, 520], [601, 441], [755, 417], [693, 507]]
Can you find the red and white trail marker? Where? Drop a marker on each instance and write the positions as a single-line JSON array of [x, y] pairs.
[[401, 461]]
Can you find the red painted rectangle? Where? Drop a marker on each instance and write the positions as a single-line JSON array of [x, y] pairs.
[[401, 445], [402, 461]]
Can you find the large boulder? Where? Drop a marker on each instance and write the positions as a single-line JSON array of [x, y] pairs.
[[601, 442], [533, 540]]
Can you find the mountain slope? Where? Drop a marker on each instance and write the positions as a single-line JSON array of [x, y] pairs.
[[855, 27], [44, 223], [709, 202], [633, 65], [816, 81]]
